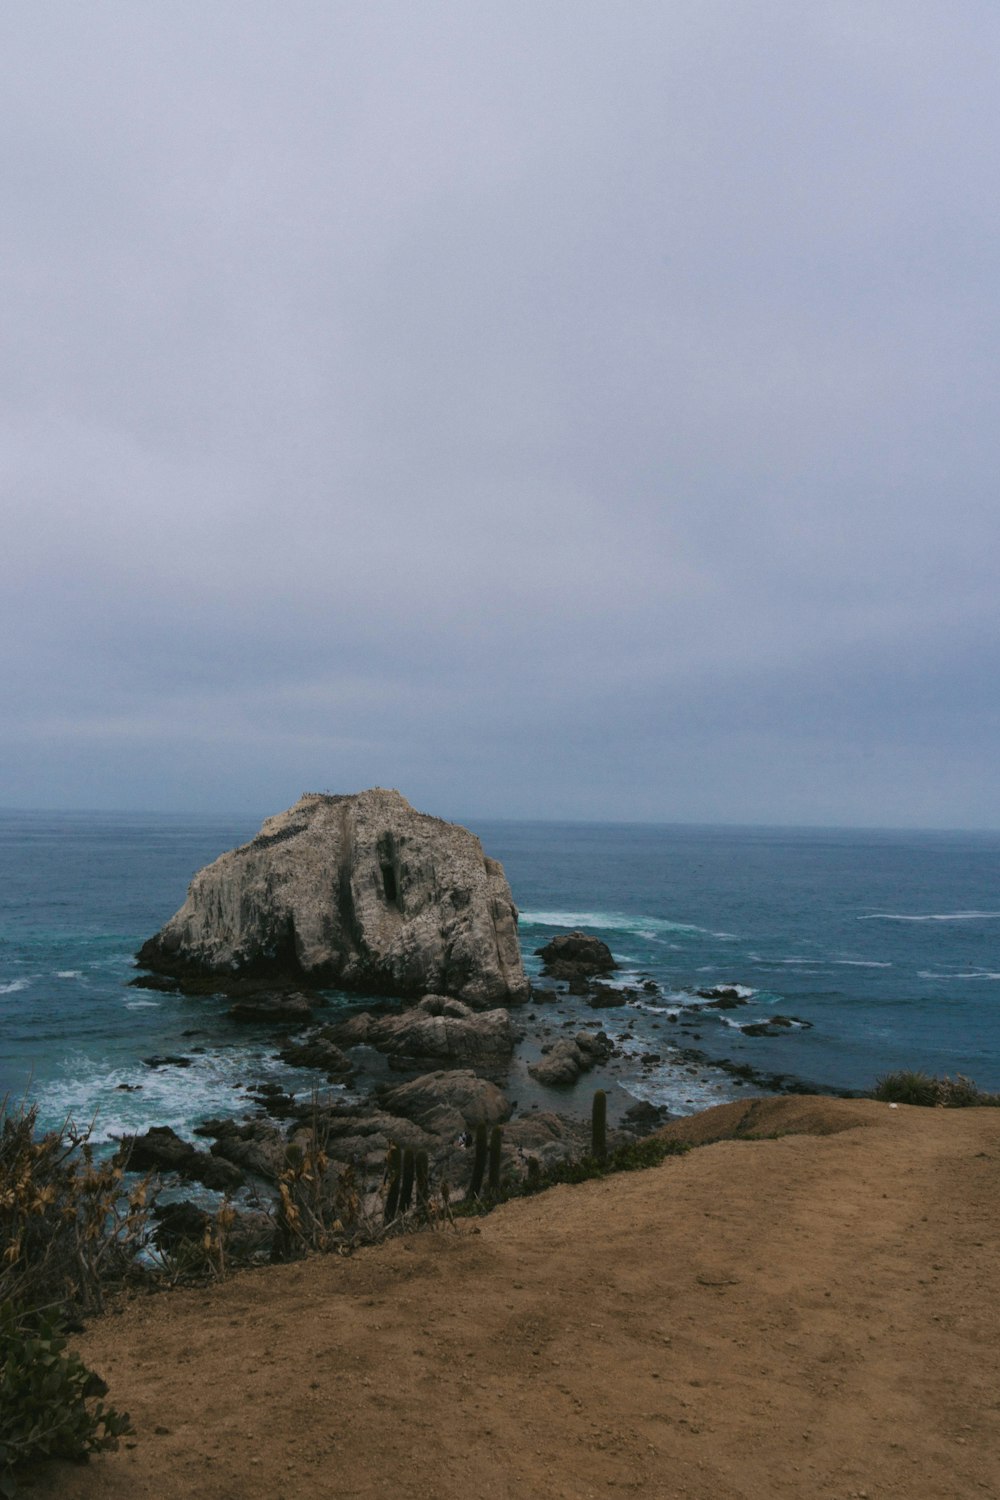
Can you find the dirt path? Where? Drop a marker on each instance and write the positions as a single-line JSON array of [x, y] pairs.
[[802, 1316]]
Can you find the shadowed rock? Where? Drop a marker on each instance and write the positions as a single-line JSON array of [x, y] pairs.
[[360, 892], [162, 1150], [576, 955], [280, 1009], [439, 1030]]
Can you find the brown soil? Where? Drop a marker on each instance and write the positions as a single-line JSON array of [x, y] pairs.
[[807, 1315]]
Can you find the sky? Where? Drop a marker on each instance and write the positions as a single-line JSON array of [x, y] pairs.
[[553, 409]]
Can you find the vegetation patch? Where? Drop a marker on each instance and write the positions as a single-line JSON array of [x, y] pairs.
[[67, 1226], [634, 1156], [912, 1087], [50, 1404]]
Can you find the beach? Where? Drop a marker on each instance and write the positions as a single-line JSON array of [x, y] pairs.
[[810, 1313]]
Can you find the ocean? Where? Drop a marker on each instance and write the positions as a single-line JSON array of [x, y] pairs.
[[882, 948]]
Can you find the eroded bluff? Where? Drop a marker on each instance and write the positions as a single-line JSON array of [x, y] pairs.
[[359, 892]]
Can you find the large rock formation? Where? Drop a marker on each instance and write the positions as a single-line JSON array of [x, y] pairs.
[[359, 892]]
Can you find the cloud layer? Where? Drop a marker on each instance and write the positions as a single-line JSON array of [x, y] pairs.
[[553, 409]]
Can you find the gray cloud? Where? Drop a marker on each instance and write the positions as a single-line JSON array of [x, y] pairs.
[[558, 409]]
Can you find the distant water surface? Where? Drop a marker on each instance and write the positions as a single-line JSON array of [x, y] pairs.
[[883, 946]]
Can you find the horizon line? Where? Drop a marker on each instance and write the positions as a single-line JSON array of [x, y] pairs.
[[233, 815]]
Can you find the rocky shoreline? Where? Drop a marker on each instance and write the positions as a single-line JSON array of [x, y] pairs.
[[423, 1075], [361, 892]]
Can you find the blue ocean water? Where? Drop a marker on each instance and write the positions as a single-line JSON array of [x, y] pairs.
[[886, 945]]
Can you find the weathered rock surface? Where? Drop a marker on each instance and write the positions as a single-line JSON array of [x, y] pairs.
[[576, 955], [447, 1102], [564, 1061], [438, 1030], [319, 1050], [546, 1137], [361, 892], [254, 1146], [604, 997]]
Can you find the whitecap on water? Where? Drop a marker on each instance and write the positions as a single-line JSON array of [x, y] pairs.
[[127, 1098], [646, 927], [781, 963], [969, 974], [931, 916], [14, 986]]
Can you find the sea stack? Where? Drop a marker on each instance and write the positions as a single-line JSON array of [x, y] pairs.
[[356, 892]]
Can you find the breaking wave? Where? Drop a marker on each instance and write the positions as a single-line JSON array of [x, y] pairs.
[[969, 974], [932, 916], [607, 921]]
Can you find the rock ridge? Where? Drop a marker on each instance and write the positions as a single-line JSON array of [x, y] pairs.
[[355, 891]]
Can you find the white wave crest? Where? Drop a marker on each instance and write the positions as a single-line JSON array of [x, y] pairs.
[[69, 973], [142, 1004], [721, 992], [14, 986], [969, 974], [129, 1097], [932, 916], [861, 963], [609, 921]]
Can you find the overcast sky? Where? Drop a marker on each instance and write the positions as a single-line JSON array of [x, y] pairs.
[[550, 408]]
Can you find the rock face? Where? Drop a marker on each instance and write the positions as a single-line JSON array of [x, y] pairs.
[[447, 1102], [576, 955], [565, 1060], [440, 1030], [359, 892], [162, 1150]]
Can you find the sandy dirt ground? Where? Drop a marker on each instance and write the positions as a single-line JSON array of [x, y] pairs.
[[808, 1315]]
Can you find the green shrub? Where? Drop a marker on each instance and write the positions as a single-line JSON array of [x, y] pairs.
[[49, 1406], [907, 1088], [910, 1087]]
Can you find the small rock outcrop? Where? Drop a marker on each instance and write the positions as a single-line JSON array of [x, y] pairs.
[[576, 955], [447, 1103], [440, 1030], [279, 1009], [318, 1050], [162, 1150], [564, 1061], [359, 892]]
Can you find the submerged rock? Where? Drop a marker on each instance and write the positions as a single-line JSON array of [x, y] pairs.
[[361, 892]]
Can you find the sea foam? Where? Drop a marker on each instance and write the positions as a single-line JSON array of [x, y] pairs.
[[932, 916]]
